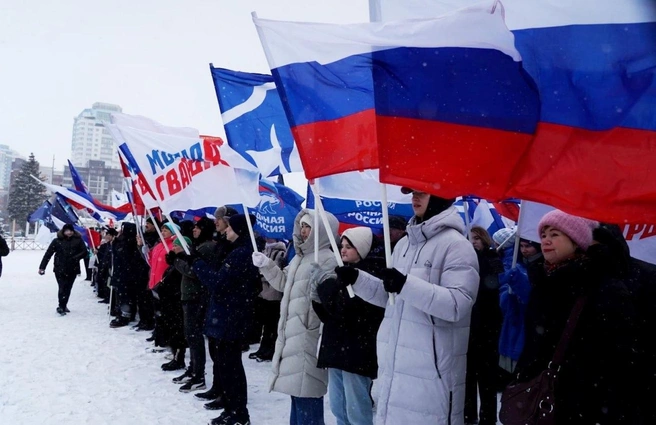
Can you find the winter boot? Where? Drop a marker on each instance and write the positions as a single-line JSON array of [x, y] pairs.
[[177, 363], [210, 395], [66, 310], [217, 404], [119, 322], [195, 384], [184, 378], [61, 311]]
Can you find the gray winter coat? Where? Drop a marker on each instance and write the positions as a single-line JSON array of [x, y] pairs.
[[422, 341], [295, 369]]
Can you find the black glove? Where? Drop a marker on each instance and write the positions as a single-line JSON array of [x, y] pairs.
[[170, 257], [347, 275], [393, 280]]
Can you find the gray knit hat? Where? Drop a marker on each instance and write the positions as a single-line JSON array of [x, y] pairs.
[[225, 212]]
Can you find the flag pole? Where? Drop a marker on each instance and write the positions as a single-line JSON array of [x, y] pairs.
[[159, 231], [250, 227], [516, 247], [465, 206], [386, 234], [333, 243]]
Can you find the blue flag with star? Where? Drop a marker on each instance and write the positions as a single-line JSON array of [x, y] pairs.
[[255, 123]]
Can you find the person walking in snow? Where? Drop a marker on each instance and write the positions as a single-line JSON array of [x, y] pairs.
[[422, 341], [68, 249]]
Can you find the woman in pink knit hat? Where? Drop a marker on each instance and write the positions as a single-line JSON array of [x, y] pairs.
[[594, 379]]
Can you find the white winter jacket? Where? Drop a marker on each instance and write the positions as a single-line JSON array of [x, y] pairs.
[[422, 341], [295, 369]]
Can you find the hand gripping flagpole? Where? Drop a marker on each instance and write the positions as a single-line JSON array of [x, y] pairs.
[[333, 243], [386, 234]]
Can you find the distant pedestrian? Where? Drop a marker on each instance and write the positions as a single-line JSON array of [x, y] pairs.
[[69, 249]]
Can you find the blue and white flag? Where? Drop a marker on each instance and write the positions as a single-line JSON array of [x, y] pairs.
[[255, 123]]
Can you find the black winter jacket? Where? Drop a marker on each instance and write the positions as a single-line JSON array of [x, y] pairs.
[[595, 376], [486, 316], [233, 289], [68, 252], [350, 325], [128, 267]]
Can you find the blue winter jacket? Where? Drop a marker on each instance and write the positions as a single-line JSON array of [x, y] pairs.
[[233, 289], [514, 293]]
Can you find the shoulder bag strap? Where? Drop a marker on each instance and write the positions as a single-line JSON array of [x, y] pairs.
[[570, 326]]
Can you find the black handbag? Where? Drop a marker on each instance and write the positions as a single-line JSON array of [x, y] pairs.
[[532, 402]]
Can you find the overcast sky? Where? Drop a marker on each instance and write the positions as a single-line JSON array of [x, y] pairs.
[[148, 56]]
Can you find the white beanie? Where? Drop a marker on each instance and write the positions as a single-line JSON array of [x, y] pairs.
[[505, 237], [361, 239], [307, 219]]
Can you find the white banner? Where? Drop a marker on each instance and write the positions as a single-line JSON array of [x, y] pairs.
[[641, 238], [359, 186], [184, 170]]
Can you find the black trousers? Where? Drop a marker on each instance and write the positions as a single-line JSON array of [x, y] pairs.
[[145, 304], [270, 314], [482, 366], [194, 321], [65, 283], [230, 369]]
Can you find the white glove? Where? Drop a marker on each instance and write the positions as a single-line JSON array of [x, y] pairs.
[[260, 260]]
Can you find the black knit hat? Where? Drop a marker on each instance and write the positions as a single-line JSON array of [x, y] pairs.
[[238, 223], [68, 227], [397, 222], [207, 228]]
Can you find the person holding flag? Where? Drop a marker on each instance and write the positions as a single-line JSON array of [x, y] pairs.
[[422, 341], [68, 249]]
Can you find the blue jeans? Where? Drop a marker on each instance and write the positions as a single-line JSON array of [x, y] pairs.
[[350, 401], [306, 411]]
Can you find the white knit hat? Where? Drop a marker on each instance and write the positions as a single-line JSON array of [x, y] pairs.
[[361, 239], [505, 237], [307, 219]]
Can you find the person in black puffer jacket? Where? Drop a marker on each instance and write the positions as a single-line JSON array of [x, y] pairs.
[[233, 289], [68, 249], [350, 325]]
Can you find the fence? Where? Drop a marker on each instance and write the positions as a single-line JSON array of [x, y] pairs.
[[21, 243]]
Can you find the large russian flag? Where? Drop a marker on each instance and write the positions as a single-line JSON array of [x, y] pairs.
[[324, 76], [422, 94], [594, 62]]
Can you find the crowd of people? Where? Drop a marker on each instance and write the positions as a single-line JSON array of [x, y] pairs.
[[452, 322]]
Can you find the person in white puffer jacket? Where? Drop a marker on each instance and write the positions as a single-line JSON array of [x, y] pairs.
[[295, 369], [422, 341]]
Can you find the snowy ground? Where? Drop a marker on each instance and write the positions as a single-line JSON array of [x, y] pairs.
[[75, 370]]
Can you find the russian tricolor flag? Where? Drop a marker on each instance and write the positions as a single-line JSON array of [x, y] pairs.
[[594, 63], [417, 99]]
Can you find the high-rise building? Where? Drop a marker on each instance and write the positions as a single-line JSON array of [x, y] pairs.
[[91, 140], [7, 156]]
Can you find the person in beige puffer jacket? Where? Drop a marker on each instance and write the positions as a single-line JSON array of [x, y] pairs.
[[295, 369]]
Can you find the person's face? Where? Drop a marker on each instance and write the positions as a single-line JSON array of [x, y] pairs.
[[230, 234], [396, 234], [166, 232], [477, 242], [349, 253], [305, 231], [108, 237], [527, 249], [221, 225], [177, 249], [150, 227], [420, 203], [556, 245], [196, 232], [68, 233]]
